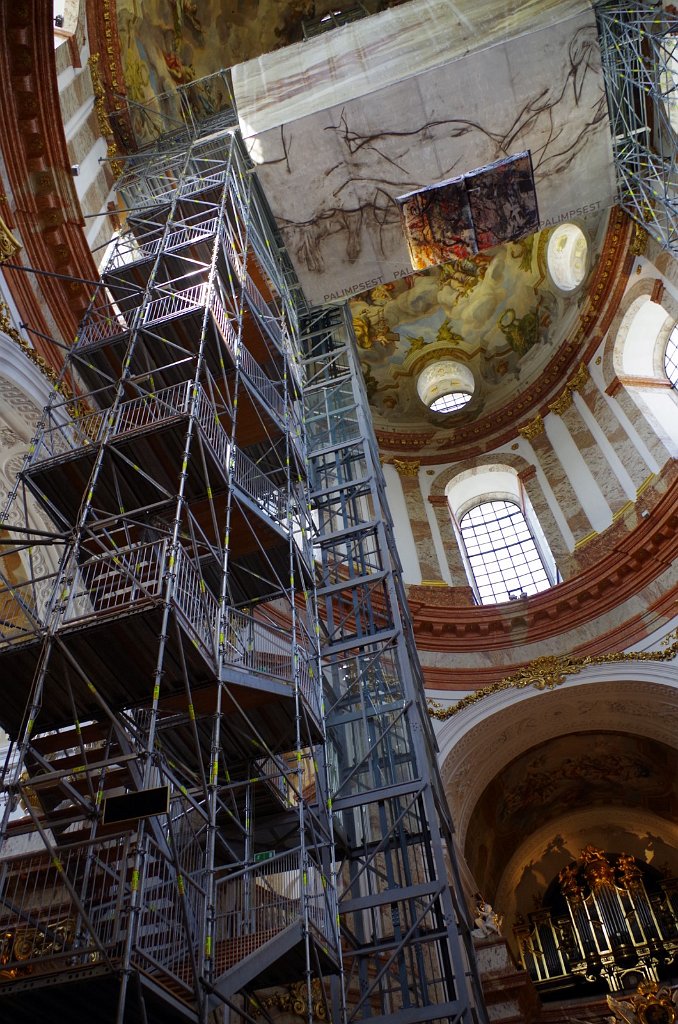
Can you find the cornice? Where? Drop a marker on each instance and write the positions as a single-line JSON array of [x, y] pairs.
[[501, 425], [43, 205], [551, 670]]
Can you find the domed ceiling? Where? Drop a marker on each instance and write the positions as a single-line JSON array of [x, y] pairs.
[[498, 313]]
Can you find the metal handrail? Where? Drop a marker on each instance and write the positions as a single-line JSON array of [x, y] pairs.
[[275, 777], [39, 918], [260, 647], [174, 304], [268, 897], [118, 580], [103, 323], [270, 498]]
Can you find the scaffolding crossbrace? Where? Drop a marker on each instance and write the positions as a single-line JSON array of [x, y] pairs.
[[221, 775], [639, 47]]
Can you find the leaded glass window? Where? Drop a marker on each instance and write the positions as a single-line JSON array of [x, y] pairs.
[[502, 554]]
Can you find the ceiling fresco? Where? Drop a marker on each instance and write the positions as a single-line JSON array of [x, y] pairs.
[[555, 779], [497, 312], [167, 43]]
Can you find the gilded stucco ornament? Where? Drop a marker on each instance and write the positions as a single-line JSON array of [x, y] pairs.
[[564, 401], [652, 1003], [409, 467], [101, 112], [551, 670], [9, 245], [532, 429], [294, 999], [74, 409], [639, 240]]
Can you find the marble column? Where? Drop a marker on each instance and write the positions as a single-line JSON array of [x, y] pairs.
[[593, 455], [560, 483], [600, 409], [421, 530]]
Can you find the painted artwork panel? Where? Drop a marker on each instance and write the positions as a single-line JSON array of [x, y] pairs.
[[437, 224], [503, 201]]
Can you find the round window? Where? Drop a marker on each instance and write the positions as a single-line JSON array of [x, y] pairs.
[[445, 386], [567, 256]]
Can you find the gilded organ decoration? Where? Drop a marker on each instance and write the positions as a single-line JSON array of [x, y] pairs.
[[608, 918], [651, 1004], [28, 944]]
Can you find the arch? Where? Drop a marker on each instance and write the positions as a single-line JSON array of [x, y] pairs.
[[502, 459], [636, 295], [633, 356], [481, 740]]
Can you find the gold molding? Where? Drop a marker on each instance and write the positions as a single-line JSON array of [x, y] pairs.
[[645, 484], [551, 670], [102, 114], [9, 245], [585, 539], [74, 409], [532, 429]]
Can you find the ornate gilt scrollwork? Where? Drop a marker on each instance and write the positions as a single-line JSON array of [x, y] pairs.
[[532, 429], [294, 999], [652, 1004], [20, 946], [9, 245], [407, 467]]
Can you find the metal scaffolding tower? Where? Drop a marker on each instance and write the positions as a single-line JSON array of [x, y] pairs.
[[406, 949], [639, 46], [221, 775]]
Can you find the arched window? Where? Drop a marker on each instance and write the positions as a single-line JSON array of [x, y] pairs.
[[671, 357], [501, 552]]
